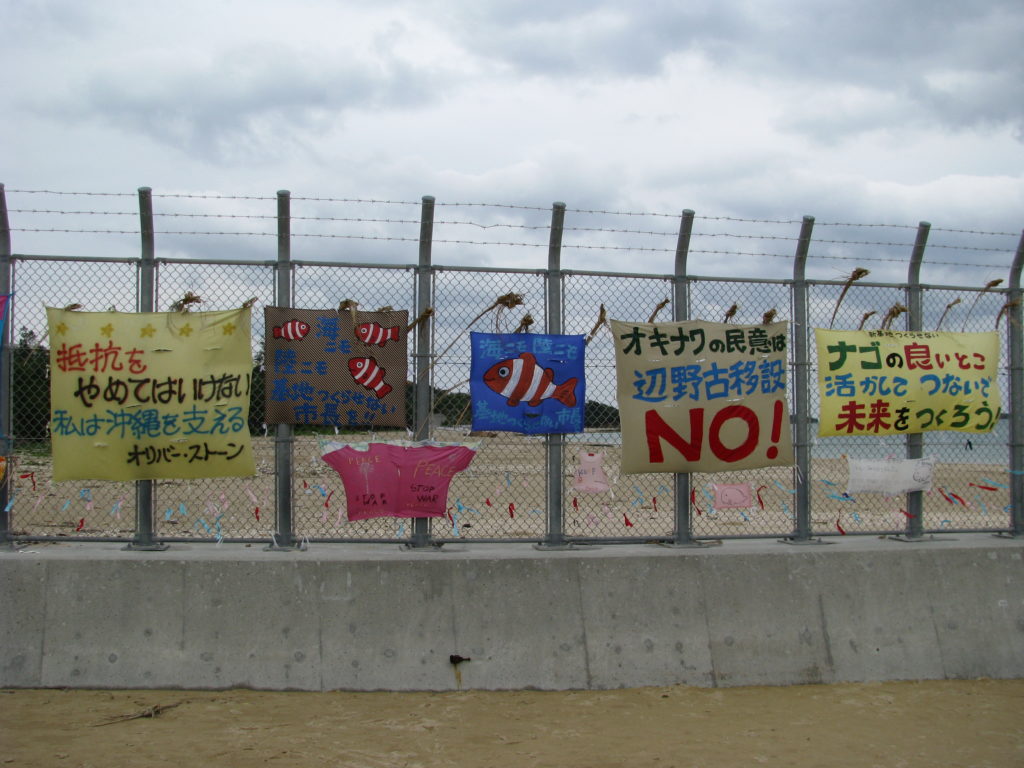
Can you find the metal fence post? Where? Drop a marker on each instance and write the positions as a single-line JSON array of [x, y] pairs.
[[284, 435], [5, 369], [421, 525], [1015, 319], [144, 489], [555, 537], [915, 320], [681, 311], [801, 391]]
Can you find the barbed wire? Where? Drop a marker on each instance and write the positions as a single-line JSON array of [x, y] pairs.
[[506, 225], [187, 195], [509, 206], [693, 251], [84, 194], [355, 200], [330, 235]]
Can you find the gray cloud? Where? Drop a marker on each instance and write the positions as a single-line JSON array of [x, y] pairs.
[[242, 105], [903, 52]]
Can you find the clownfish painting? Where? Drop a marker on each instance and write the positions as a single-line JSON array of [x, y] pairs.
[[366, 372], [293, 330], [521, 379], [375, 333]]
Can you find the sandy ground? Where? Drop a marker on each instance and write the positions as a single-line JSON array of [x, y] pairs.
[[929, 724]]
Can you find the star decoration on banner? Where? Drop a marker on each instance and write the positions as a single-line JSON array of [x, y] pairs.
[[229, 328], [147, 330], [61, 329], [185, 330], [107, 330]]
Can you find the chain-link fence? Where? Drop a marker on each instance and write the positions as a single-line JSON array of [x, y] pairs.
[[518, 487]]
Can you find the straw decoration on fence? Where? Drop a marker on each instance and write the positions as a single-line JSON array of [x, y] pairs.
[[853, 277]]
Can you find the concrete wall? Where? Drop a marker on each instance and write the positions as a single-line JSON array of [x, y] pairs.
[[379, 617]]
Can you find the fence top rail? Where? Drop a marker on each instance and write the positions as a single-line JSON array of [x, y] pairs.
[[864, 284], [593, 273], [97, 259], [349, 264], [502, 270]]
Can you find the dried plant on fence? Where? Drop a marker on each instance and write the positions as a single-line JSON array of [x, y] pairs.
[[953, 303], [602, 318], [895, 311], [428, 312], [769, 316], [853, 277], [730, 313], [501, 304], [864, 319], [349, 305], [524, 324], [988, 287], [249, 302], [72, 307], [504, 302], [184, 304], [657, 309], [1005, 309]]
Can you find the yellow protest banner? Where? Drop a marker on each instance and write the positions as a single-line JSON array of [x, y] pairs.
[[702, 397], [151, 395], [902, 382]]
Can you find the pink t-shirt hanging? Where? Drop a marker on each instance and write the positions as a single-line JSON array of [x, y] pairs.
[[370, 480], [424, 474], [590, 476], [387, 480]]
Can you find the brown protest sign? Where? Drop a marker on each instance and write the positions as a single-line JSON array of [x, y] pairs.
[[328, 367]]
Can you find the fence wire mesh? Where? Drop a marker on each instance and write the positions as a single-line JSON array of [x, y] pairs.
[[504, 495]]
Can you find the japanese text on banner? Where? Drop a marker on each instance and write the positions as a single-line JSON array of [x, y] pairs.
[[893, 382], [328, 367], [532, 383], [698, 396], [150, 396]]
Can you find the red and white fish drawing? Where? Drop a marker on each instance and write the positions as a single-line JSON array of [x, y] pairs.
[[522, 379], [375, 333], [366, 372], [293, 330]]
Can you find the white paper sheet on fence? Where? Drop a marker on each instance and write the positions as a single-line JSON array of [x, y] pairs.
[[890, 476]]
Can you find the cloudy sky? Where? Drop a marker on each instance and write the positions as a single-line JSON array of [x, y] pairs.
[[881, 111]]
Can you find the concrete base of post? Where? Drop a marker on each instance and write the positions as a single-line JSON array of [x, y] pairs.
[[156, 546]]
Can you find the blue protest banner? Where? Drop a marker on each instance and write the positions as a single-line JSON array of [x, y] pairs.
[[531, 383]]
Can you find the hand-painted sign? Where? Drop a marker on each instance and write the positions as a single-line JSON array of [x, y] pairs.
[[698, 396], [326, 367], [733, 495], [527, 382], [896, 382], [397, 479], [152, 395]]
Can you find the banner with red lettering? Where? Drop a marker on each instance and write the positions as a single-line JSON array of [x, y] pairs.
[[154, 395], [702, 397], [902, 382]]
